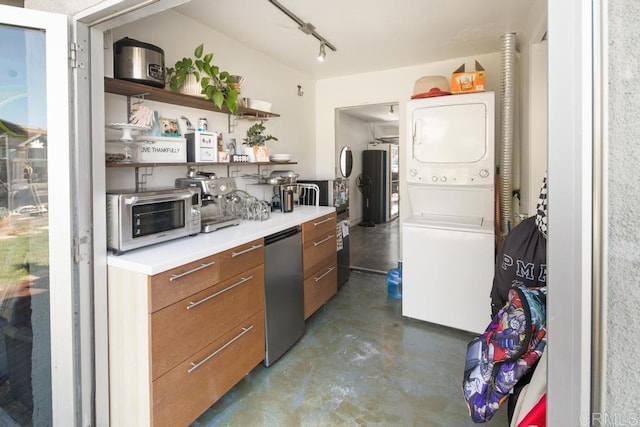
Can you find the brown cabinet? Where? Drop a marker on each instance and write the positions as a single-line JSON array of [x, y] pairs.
[[319, 260], [191, 387], [180, 339]]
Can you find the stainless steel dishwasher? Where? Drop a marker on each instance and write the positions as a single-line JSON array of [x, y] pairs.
[[284, 292]]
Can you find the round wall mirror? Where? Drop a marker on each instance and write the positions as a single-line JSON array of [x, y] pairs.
[[346, 162]]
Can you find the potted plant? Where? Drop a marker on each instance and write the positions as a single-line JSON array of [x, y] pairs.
[[216, 86], [256, 140]]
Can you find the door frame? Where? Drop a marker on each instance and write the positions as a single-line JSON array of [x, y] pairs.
[[89, 27], [570, 198]]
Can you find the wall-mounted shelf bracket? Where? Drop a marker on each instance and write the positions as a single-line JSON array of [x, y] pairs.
[[138, 99], [141, 177]]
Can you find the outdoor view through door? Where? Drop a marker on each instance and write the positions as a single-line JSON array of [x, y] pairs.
[[25, 341]]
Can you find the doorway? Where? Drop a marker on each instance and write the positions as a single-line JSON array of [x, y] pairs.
[[375, 241]]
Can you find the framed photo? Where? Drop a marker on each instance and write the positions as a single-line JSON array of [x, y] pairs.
[[169, 127], [224, 156], [261, 153]]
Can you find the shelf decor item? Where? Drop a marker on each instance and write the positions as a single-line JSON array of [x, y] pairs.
[[261, 153], [256, 141], [125, 140], [161, 149], [217, 86], [256, 137], [169, 127]]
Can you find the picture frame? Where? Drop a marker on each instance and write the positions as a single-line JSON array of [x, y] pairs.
[[169, 127], [261, 153]]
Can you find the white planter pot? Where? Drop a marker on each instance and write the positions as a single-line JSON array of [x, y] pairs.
[[249, 152], [191, 86]]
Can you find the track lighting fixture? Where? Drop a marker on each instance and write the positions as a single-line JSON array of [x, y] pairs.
[[322, 54], [307, 28]]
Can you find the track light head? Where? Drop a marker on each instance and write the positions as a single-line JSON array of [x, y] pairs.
[[323, 53]]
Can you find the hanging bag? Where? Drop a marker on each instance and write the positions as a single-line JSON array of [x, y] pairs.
[[507, 350]]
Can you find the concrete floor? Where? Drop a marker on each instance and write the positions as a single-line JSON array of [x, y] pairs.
[[375, 249], [359, 363]]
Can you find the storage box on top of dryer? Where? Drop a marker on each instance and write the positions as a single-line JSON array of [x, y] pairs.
[[468, 81]]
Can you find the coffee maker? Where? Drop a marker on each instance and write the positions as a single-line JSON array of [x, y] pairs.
[[213, 189]]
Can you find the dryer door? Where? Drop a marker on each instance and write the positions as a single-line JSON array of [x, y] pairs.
[[450, 133]]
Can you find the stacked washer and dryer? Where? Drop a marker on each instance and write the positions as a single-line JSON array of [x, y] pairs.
[[448, 241]]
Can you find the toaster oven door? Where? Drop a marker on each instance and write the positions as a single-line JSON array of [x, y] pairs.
[[157, 217]]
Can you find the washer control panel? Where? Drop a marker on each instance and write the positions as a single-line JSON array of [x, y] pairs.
[[451, 175]]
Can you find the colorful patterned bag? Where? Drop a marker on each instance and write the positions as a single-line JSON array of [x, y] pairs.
[[508, 349]]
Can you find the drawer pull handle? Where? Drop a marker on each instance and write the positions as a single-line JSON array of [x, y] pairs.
[[195, 366], [315, 224], [317, 279], [329, 237], [193, 270], [252, 248], [197, 303]]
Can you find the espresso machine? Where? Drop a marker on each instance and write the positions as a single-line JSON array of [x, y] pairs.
[[213, 190]]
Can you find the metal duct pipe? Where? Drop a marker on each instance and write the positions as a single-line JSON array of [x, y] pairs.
[[507, 97]]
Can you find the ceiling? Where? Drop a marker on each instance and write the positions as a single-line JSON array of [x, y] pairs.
[[373, 112], [369, 35]]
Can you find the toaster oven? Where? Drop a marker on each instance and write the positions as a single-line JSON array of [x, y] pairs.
[[138, 219]]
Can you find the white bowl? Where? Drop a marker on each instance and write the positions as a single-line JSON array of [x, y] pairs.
[[280, 157], [256, 104]]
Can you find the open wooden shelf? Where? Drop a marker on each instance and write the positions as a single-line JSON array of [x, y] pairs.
[[127, 88], [152, 165]]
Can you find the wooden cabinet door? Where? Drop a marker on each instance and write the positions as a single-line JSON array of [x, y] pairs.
[[319, 288], [186, 391], [178, 283]]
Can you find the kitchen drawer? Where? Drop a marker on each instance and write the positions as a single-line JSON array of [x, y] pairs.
[[319, 227], [241, 258], [187, 326], [320, 287], [319, 251], [179, 283], [180, 396]]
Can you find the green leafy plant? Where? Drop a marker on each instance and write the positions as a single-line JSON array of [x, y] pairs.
[[256, 137], [217, 86]]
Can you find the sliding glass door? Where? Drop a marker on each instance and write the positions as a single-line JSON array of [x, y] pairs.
[[36, 265]]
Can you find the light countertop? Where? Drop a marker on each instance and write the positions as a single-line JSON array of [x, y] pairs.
[[167, 255]]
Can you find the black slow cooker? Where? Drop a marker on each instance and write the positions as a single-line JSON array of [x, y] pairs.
[[139, 62]]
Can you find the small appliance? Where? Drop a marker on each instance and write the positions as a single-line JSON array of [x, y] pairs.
[[202, 146], [137, 219], [214, 190], [138, 62], [286, 198]]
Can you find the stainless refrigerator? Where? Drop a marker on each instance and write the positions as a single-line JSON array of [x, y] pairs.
[[336, 193]]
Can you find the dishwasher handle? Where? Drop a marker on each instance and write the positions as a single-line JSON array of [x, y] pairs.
[[272, 238]]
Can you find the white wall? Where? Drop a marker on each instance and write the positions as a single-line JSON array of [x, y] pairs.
[[533, 99], [265, 79]]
